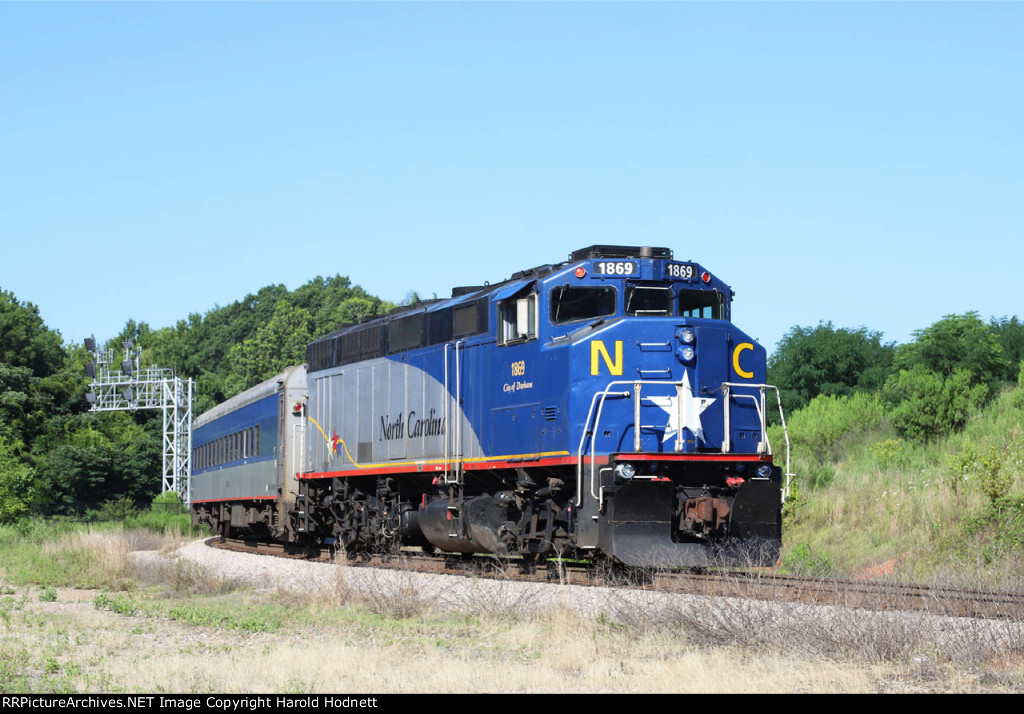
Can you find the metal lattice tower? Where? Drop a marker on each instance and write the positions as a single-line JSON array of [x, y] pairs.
[[131, 388]]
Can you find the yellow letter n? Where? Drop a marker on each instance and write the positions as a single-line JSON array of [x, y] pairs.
[[597, 348]]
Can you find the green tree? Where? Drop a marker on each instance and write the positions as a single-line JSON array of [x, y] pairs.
[[212, 348], [354, 310], [97, 458], [925, 405], [15, 482], [1010, 332], [810, 361], [24, 340], [35, 381], [957, 342], [276, 345], [334, 301]]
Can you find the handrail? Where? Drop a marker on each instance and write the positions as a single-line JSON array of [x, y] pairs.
[[604, 394], [593, 421], [761, 411], [455, 454]]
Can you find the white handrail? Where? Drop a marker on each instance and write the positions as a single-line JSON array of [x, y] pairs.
[[597, 407]]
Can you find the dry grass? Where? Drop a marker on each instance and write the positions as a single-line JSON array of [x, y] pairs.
[[94, 558], [559, 652], [387, 631], [945, 648]]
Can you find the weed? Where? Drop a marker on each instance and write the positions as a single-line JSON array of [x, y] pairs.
[[993, 532], [889, 453], [801, 560], [120, 603], [265, 618], [14, 657], [295, 685], [6, 605]]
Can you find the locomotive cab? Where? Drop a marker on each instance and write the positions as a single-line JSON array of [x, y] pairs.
[[668, 400]]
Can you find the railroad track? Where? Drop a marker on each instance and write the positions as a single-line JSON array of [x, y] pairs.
[[759, 584], [867, 594]]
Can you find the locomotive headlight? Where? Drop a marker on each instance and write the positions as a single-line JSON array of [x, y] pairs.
[[685, 335], [625, 471], [764, 471], [685, 354]]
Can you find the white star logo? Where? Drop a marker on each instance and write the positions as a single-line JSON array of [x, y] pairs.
[[691, 411]]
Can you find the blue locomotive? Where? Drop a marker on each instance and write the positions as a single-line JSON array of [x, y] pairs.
[[602, 406]]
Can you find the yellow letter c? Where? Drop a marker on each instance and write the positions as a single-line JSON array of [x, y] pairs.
[[736, 359]]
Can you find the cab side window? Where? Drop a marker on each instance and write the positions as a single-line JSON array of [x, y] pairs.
[[517, 319]]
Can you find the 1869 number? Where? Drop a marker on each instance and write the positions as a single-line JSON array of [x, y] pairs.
[[615, 267], [681, 270]]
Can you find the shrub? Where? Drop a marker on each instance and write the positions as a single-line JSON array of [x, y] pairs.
[[118, 509], [167, 514], [801, 560], [823, 424], [15, 483], [924, 405], [995, 532], [888, 454]]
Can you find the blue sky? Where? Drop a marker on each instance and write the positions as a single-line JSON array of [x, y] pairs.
[[854, 162]]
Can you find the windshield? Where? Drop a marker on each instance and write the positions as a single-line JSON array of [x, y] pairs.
[[702, 303], [581, 303], [648, 300]]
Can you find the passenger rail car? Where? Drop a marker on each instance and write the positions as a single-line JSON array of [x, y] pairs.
[[605, 405], [245, 456]]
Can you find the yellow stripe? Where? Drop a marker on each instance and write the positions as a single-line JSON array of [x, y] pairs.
[[477, 460], [326, 438], [343, 445]]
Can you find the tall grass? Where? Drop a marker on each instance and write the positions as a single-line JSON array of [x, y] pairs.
[[87, 558], [873, 502]]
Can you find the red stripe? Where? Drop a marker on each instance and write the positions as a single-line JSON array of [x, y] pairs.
[[693, 457]]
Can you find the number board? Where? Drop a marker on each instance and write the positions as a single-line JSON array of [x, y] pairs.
[[682, 271], [616, 268]]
